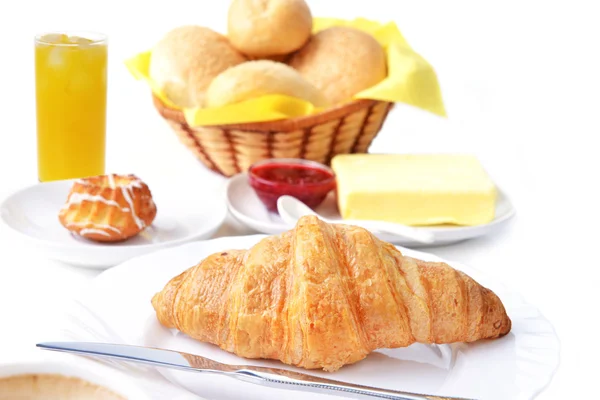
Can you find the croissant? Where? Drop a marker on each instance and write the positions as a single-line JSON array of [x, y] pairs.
[[326, 295]]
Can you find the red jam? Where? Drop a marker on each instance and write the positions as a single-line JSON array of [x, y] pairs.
[[308, 181]]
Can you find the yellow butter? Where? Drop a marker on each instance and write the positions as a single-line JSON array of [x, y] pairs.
[[414, 189]]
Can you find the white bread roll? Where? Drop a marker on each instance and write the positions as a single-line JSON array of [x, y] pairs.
[[341, 61], [267, 28], [253, 79], [185, 61]]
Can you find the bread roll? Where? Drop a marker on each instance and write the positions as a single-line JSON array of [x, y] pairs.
[[341, 61], [266, 28], [185, 61], [258, 78]]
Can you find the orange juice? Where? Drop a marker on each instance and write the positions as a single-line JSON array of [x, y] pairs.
[[70, 75]]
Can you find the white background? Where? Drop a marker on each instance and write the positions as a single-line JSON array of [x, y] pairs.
[[520, 80]]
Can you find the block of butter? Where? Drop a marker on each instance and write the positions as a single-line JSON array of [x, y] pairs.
[[414, 189]]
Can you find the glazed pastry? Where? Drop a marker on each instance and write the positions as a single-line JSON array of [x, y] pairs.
[[323, 296], [108, 208]]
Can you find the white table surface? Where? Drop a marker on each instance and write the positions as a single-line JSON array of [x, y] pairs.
[[520, 80]]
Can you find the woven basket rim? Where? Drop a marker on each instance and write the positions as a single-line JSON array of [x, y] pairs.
[[284, 125]]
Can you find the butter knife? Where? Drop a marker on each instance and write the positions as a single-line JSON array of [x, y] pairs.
[[271, 377]]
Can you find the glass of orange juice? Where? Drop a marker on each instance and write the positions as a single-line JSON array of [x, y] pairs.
[[70, 76]]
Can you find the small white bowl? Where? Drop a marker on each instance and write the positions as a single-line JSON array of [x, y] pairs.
[[86, 371]]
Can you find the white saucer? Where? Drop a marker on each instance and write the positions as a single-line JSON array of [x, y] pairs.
[[244, 205], [33, 213]]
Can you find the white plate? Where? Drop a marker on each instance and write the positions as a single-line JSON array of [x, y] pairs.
[[33, 213], [516, 367], [246, 207]]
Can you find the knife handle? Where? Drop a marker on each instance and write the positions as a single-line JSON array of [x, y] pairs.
[[330, 387]]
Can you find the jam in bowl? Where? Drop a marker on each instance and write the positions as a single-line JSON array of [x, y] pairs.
[[308, 181]]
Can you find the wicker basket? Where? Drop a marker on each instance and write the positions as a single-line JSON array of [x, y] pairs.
[[230, 149]]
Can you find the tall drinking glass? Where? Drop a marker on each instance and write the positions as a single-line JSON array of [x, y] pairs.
[[70, 77]]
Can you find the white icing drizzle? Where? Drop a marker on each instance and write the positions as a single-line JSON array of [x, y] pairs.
[[87, 231], [136, 183], [97, 226], [111, 181], [77, 198], [127, 196]]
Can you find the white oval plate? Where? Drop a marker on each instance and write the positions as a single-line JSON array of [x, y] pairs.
[[245, 206], [33, 213], [517, 366]]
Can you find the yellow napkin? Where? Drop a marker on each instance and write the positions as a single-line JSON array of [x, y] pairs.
[[411, 80]]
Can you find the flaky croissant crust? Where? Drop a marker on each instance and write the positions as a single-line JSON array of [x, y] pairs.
[[323, 296]]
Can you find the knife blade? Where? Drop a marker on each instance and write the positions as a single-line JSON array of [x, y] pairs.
[[264, 376]]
